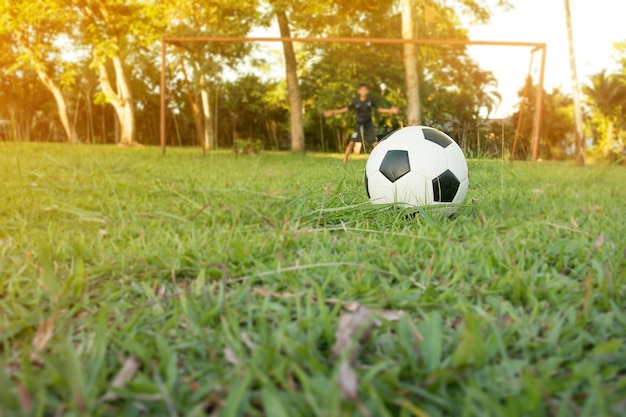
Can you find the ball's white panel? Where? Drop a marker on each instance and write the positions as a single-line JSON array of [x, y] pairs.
[[382, 191], [428, 159], [412, 189], [456, 162], [404, 138]]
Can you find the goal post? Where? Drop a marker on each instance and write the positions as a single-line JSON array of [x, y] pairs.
[[356, 40]]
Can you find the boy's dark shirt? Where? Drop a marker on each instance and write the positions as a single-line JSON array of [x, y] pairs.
[[362, 109]]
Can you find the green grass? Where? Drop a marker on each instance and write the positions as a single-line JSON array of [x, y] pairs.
[[214, 280]]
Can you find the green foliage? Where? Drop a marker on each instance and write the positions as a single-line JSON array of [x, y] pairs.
[[247, 146], [606, 95], [210, 285], [557, 123]]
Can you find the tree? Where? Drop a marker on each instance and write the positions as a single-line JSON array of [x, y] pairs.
[[208, 60], [557, 122], [293, 89], [112, 29], [578, 114], [36, 36], [291, 77], [606, 95], [410, 64], [478, 9]]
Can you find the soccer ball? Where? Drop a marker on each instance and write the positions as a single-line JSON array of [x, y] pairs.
[[417, 166]]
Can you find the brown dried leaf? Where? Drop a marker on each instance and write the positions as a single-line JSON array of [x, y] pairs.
[[353, 328], [129, 369], [481, 218], [574, 222], [230, 356], [265, 293], [125, 374], [592, 209], [599, 241], [347, 381], [349, 386], [25, 398], [246, 340], [390, 315], [346, 305], [44, 334], [353, 306]]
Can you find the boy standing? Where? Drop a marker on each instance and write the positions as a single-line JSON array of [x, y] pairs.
[[362, 106]]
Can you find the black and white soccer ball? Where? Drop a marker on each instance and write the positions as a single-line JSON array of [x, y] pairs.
[[417, 166]]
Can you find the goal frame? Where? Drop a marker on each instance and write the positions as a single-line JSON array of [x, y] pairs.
[[539, 46]]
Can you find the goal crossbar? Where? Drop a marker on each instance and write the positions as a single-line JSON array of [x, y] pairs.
[[535, 45]]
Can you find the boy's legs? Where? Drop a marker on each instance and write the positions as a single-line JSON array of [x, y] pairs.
[[355, 137], [369, 131], [348, 150]]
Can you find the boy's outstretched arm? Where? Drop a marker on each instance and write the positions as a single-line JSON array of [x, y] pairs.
[[329, 113], [391, 110]]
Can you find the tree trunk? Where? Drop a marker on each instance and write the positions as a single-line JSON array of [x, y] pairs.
[[209, 137], [68, 127], [121, 99], [410, 65], [608, 147], [578, 114], [195, 108], [293, 90], [52, 86]]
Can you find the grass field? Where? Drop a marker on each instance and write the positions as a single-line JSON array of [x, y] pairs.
[[136, 284]]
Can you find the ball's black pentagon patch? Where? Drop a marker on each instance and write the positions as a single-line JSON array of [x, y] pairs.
[[367, 188], [437, 137], [395, 165], [445, 187]]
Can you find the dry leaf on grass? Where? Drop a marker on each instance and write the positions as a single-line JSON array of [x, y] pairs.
[[346, 305], [128, 371], [25, 398], [245, 338], [265, 293], [599, 241], [353, 328], [592, 209], [230, 356], [389, 315], [353, 306], [44, 334], [347, 381]]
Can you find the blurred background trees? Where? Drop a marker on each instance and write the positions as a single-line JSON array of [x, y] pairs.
[[75, 71]]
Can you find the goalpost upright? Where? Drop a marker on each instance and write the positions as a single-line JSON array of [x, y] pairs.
[[206, 39]]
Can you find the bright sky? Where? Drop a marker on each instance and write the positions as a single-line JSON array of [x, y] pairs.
[[596, 24]]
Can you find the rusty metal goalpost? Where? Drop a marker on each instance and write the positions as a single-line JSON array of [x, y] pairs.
[[206, 39]]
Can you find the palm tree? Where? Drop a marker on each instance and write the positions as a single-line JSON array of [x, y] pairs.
[[487, 95], [607, 96]]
